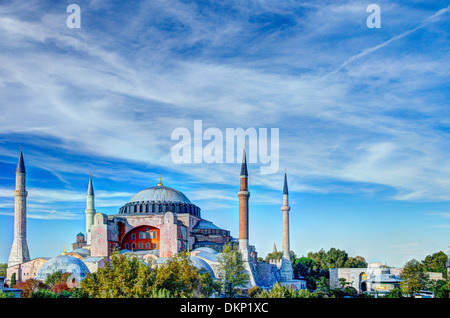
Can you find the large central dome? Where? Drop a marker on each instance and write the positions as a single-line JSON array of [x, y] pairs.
[[161, 194], [159, 200]]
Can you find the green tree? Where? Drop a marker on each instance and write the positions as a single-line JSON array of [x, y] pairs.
[[440, 288], [13, 280], [304, 293], [56, 277], [414, 277], [302, 266], [318, 259], [336, 293], [118, 279], [29, 286], [253, 291], [278, 291], [125, 277], [6, 295], [278, 255], [231, 267], [350, 291], [343, 283], [44, 293], [3, 267], [273, 255], [181, 279], [436, 263], [355, 262], [323, 284], [394, 293], [335, 258]]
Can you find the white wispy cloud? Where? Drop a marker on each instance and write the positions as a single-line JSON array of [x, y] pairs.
[[123, 104]]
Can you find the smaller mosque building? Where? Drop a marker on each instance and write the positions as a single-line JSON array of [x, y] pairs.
[[366, 279], [376, 278], [384, 282]]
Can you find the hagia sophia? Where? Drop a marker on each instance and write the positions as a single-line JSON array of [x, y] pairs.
[[156, 223]]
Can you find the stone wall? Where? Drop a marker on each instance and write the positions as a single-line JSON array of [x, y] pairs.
[[267, 274], [25, 270]]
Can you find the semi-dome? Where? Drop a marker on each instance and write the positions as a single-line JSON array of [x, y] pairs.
[[64, 264], [161, 194], [196, 262]]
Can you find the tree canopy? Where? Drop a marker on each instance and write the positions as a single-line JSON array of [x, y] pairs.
[[125, 277], [231, 265]]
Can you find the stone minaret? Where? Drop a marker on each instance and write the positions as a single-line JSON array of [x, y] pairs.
[[286, 266], [244, 249], [243, 195], [19, 250], [90, 209]]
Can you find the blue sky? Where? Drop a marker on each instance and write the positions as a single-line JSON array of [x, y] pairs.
[[363, 116]]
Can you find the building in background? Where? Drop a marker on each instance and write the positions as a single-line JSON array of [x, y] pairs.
[[376, 278]]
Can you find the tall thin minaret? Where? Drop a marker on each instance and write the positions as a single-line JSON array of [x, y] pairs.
[[244, 249], [90, 209], [286, 266], [243, 195], [19, 250]]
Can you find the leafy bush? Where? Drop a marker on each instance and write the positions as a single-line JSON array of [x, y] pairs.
[[6, 295]]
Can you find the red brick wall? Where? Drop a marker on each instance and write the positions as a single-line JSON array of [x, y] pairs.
[[135, 237]]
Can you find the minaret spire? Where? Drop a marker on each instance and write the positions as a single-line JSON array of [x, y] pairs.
[[244, 195], [244, 171], [285, 186], [90, 209], [90, 190], [286, 266], [19, 250], [20, 164]]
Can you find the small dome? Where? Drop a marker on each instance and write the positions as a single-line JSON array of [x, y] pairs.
[[160, 193], [63, 264], [196, 262], [202, 265], [206, 249]]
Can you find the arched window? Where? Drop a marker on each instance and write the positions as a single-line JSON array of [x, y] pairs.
[[133, 245], [127, 246], [147, 245], [140, 236]]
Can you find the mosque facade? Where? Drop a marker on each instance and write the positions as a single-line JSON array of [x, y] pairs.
[[156, 223]]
